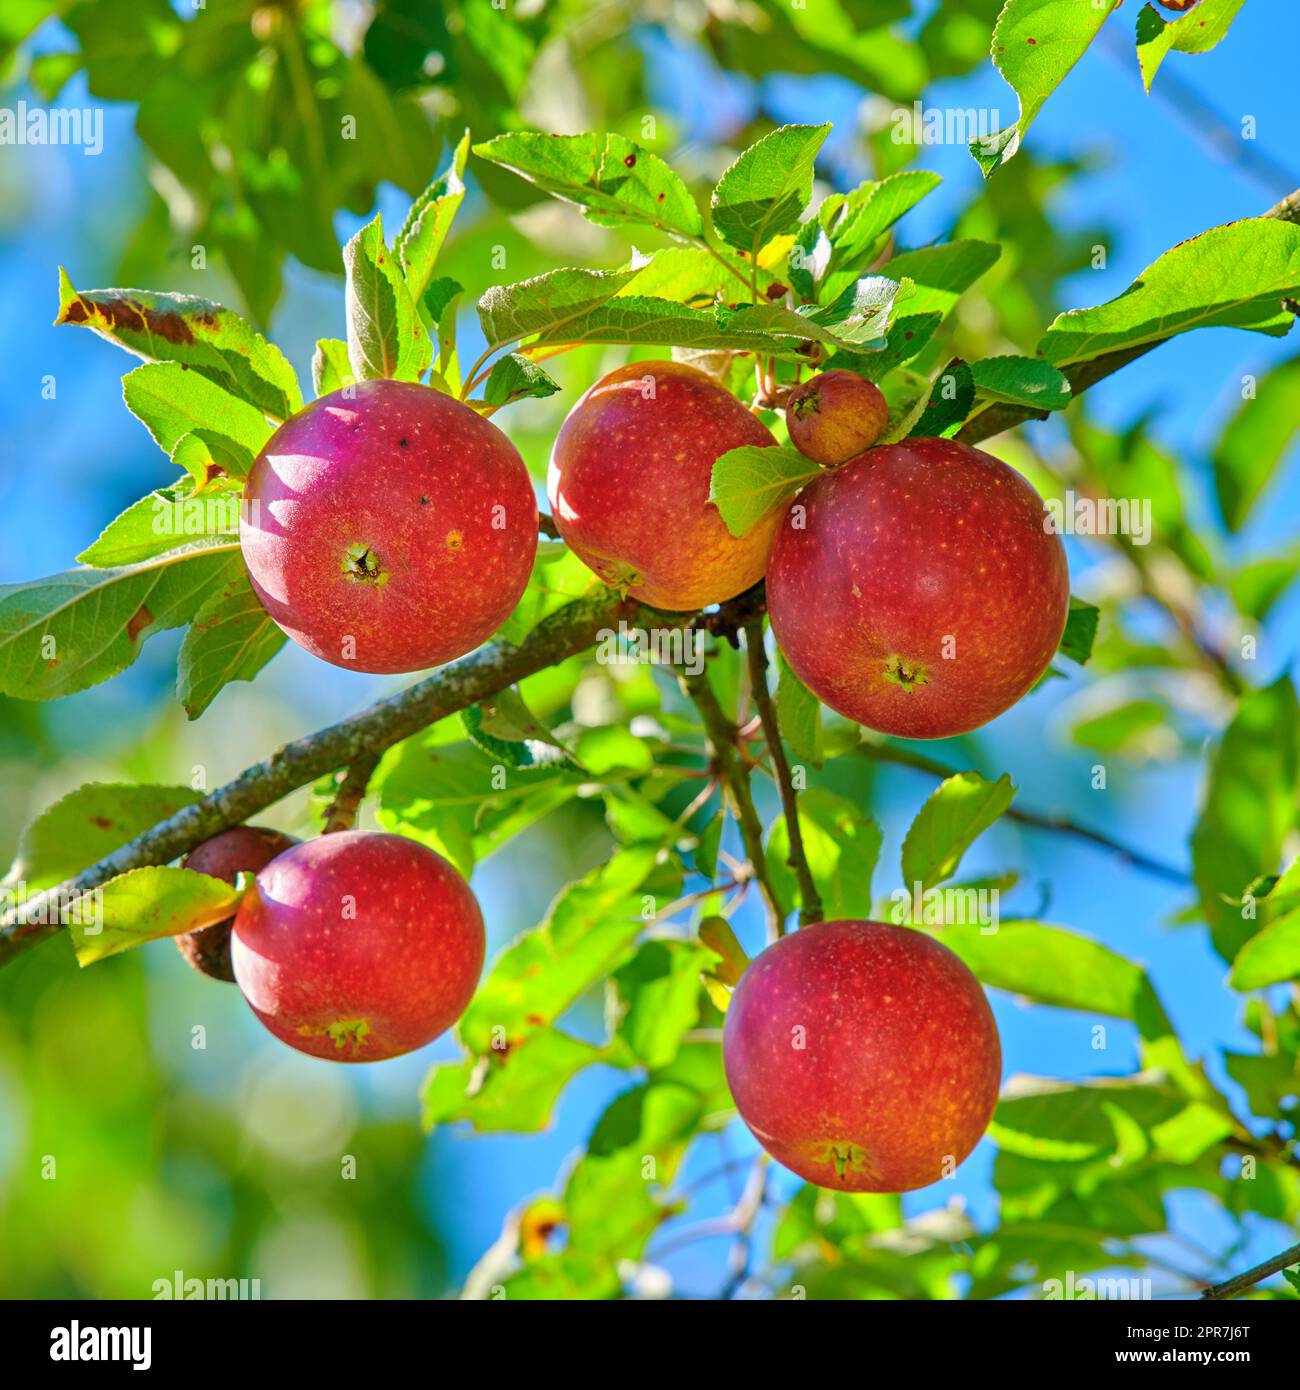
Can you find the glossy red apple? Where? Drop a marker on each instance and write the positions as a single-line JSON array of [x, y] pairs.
[[833, 416], [629, 486], [245, 849], [389, 529], [358, 946], [862, 1056], [919, 589]]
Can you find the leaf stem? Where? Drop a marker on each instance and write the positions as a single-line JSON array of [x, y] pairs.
[[810, 903]]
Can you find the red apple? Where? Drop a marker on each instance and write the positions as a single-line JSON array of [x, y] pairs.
[[358, 946], [920, 589], [243, 850], [629, 486], [388, 527], [862, 1056], [834, 416]]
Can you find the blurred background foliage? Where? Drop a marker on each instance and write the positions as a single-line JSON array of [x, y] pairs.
[[231, 171]]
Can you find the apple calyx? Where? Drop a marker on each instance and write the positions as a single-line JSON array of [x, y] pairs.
[[907, 674], [360, 563]]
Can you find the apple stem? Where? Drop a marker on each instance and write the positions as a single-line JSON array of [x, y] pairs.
[[810, 903], [341, 813]]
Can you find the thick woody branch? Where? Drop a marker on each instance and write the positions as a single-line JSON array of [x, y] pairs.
[[455, 687], [810, 908]]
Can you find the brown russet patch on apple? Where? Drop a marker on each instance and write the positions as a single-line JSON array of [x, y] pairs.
[[138, 621]]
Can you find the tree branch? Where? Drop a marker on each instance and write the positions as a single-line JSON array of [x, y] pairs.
[[341, 813], [454, 687], [1038, 820], [997, 418], [1239, 1283], [721, 733], [810, 903]]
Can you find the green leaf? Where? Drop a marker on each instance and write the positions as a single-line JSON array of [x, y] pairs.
[[211, 459], [1229, 277], [513, 1090], [144, 905], [1080, 631], [386, 338], [1027, 381], [210, 340], [72, 630], [546, 303], [1050, 965], [635, 320], [87, 825], [514, 377], [159, 523], [1249, 809], [1194, 32], [841, 846], [331, 368], [955, 814], [764, 192], [659, 998], [858, 319], [1126, 728], [1258, 585], [909, 336], [1110, 1120], [230, 639], [613, 180], [172, 401], [952, 396], [750, 482], [799, 714], [1035, 44], [941, 274], [459, 800], [856, 223], [1255, 441], [1271, 956], [420, 241], [588, 932]]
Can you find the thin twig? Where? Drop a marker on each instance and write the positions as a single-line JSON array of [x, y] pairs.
[[721, 733], [1239, 1283], [1038, 820], [810, 903]]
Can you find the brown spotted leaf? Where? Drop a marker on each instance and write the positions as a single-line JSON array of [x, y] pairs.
[[81, 828], [69, 631], [208, 338]]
